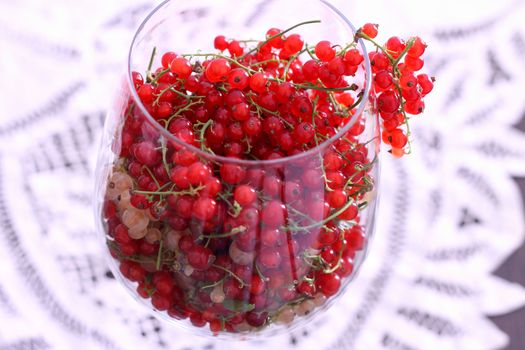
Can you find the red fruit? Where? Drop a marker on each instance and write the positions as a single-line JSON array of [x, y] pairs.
[[140, 201], [353, 57], [257, 285], [324, 51], [198, 173], [167, 58], [304, 133], [355, 238], [160, 302], [197, 320], [179, 176], [146, 153], [217, 70], [347, 266], [269, 258], [383, 79], [241, 111], [293, 44], [200, 257], [204, 208], [238, 78], [337, 198], [137, 78], [328, 283], [181, 67], [350, 213], [186, 243], [258, 82], [184, 206], [415, 107], [413, 63], [232, 173], [418, 48], [255, 319], [272, 186], [277, 40], [252, 126], [311, 70], [388, 102], [212, 187], [273, 215], [395, 46], [426, 83], [145, 93], [407, 80], [220, 43], [370, 30], [235, 48], [245, 195]]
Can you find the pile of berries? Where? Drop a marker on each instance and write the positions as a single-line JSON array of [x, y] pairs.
[[232, 241]]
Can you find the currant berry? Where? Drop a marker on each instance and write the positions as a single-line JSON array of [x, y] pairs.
[[167, 58], [238, 78], [324, 51], [370, 30], [217, 70], [220, 42], [181, 67]]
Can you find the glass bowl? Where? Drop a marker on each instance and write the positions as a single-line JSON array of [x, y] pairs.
[[228, 245]]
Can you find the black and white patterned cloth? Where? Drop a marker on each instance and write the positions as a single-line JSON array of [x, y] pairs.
[[450, 213]]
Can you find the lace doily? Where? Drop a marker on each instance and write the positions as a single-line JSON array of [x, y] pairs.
[[450, 213]]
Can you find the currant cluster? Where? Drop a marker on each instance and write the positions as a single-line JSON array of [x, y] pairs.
[[398, 89], [219, 236]]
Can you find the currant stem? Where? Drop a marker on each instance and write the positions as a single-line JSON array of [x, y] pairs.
[[202, 131], [159, 255], [192, 192], [328, 219], [213, 284], [152, 57], [290, 61], [164, 145], [152, 175], [360, 34], [183, 109], [233, 232], [240, 280], [278, 35], [159, 75]]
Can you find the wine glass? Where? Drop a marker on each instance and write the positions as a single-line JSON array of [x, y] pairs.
[[226, 245]]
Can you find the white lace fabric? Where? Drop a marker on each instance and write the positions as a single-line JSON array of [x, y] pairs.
[[449, 215]]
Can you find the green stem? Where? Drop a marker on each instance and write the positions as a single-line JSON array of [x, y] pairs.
[[159, 255], [160, 74], [183, 109], [229, 59], [152, 176], [409, 44], [327, 220], [213, 284], [192, 192], [290, 61], [164, 145], [201, 135], [310, 53], [152, 57], [360, 34], [278, 35], [233, 232], [323, 88], [240, 280]]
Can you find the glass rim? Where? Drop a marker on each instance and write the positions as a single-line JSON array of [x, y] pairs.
[[250, 162]]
